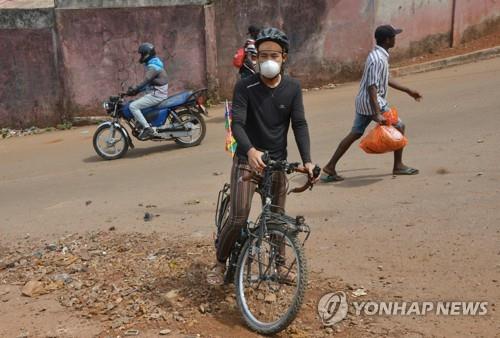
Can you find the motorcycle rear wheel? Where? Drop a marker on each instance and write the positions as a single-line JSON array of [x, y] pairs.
[[199, 129]]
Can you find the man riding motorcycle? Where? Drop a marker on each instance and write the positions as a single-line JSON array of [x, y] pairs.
[[155, 85]]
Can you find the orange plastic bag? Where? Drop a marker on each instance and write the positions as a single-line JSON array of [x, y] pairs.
[[386, 138], [391, 116]]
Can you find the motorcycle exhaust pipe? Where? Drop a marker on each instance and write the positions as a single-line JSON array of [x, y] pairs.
[[171, 129]]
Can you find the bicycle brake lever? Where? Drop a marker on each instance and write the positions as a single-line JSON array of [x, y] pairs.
[[316, 173]]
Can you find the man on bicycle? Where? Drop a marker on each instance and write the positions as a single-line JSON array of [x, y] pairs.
[[264, 104]]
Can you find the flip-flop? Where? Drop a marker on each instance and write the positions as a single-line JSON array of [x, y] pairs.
[[331, 178], [287, 277], [407, 171], [215, 277]]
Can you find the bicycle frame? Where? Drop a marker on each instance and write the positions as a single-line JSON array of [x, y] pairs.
[[261, 253], [295, 225], [259, 228]]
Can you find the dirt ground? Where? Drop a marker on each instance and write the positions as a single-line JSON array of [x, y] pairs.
[[431, 237], [486, 41]]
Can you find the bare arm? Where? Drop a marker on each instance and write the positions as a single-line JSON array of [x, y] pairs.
[[372, 93], [413, 93]]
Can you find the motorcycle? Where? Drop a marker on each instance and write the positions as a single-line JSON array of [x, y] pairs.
[[178, 118]]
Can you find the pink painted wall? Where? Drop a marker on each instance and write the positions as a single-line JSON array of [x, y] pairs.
[[474, 18], [28, 78], [211, 51], [327, 38], [232, 20], [99, 48], [70, 70], [338, 45], [426, 24], [347, 31], [330, 39]]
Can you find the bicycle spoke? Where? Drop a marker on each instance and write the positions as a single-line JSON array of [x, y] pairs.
[[266, 294], [271, 272]]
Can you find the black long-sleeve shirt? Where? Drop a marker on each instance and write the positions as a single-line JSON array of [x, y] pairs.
[[262, 116]]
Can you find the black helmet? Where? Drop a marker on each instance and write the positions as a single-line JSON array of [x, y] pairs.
[[147, 51], [253, 31], [272, 34]]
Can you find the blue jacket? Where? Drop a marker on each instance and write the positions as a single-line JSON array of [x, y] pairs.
[[156, 75]]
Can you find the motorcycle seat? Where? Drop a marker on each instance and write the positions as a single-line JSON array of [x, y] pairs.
[[175, 100]]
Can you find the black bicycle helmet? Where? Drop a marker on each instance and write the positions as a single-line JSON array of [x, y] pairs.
[[147, 51], [272, 34]]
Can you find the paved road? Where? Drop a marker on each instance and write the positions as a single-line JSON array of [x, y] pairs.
[[435, 236]]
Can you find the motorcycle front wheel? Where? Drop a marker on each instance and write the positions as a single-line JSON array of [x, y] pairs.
[[110, 142]]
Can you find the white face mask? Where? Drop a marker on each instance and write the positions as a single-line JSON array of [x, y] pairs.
[[270, 69]]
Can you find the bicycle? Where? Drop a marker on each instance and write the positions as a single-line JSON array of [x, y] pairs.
[[270, 284]]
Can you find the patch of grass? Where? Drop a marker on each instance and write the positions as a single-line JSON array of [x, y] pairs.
[[64, 126]]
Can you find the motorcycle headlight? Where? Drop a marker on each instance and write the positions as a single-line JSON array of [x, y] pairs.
[[106, 105]]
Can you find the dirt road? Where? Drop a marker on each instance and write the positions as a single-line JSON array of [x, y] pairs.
[[432, 237]]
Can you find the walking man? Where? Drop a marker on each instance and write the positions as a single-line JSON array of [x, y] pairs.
[[371, 102]]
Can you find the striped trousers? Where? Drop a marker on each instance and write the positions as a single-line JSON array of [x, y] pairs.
[[241, 201]]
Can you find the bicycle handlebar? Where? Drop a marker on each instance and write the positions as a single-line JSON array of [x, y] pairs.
[[286, 167], [310, 181]]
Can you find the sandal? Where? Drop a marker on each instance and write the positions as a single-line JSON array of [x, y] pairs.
[[405, 171], [285, 275], [331, 178], [215, 277]]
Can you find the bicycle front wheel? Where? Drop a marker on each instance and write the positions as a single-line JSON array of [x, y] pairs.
[[270, 280]]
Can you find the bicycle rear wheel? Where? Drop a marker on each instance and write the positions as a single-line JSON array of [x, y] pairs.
[[221, 217], [270, 280]]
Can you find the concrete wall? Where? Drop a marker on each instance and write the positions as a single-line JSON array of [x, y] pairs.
[[25, 4], [29, 83], [474, 18], [79, 4], [426, 25], [66, 60], [99, 48], [328, 39], [211, 52]]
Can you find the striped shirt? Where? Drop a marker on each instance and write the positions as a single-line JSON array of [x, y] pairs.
[[376, 73]]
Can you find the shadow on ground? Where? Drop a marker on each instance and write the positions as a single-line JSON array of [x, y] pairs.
[[356, 181], [138, 152]]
